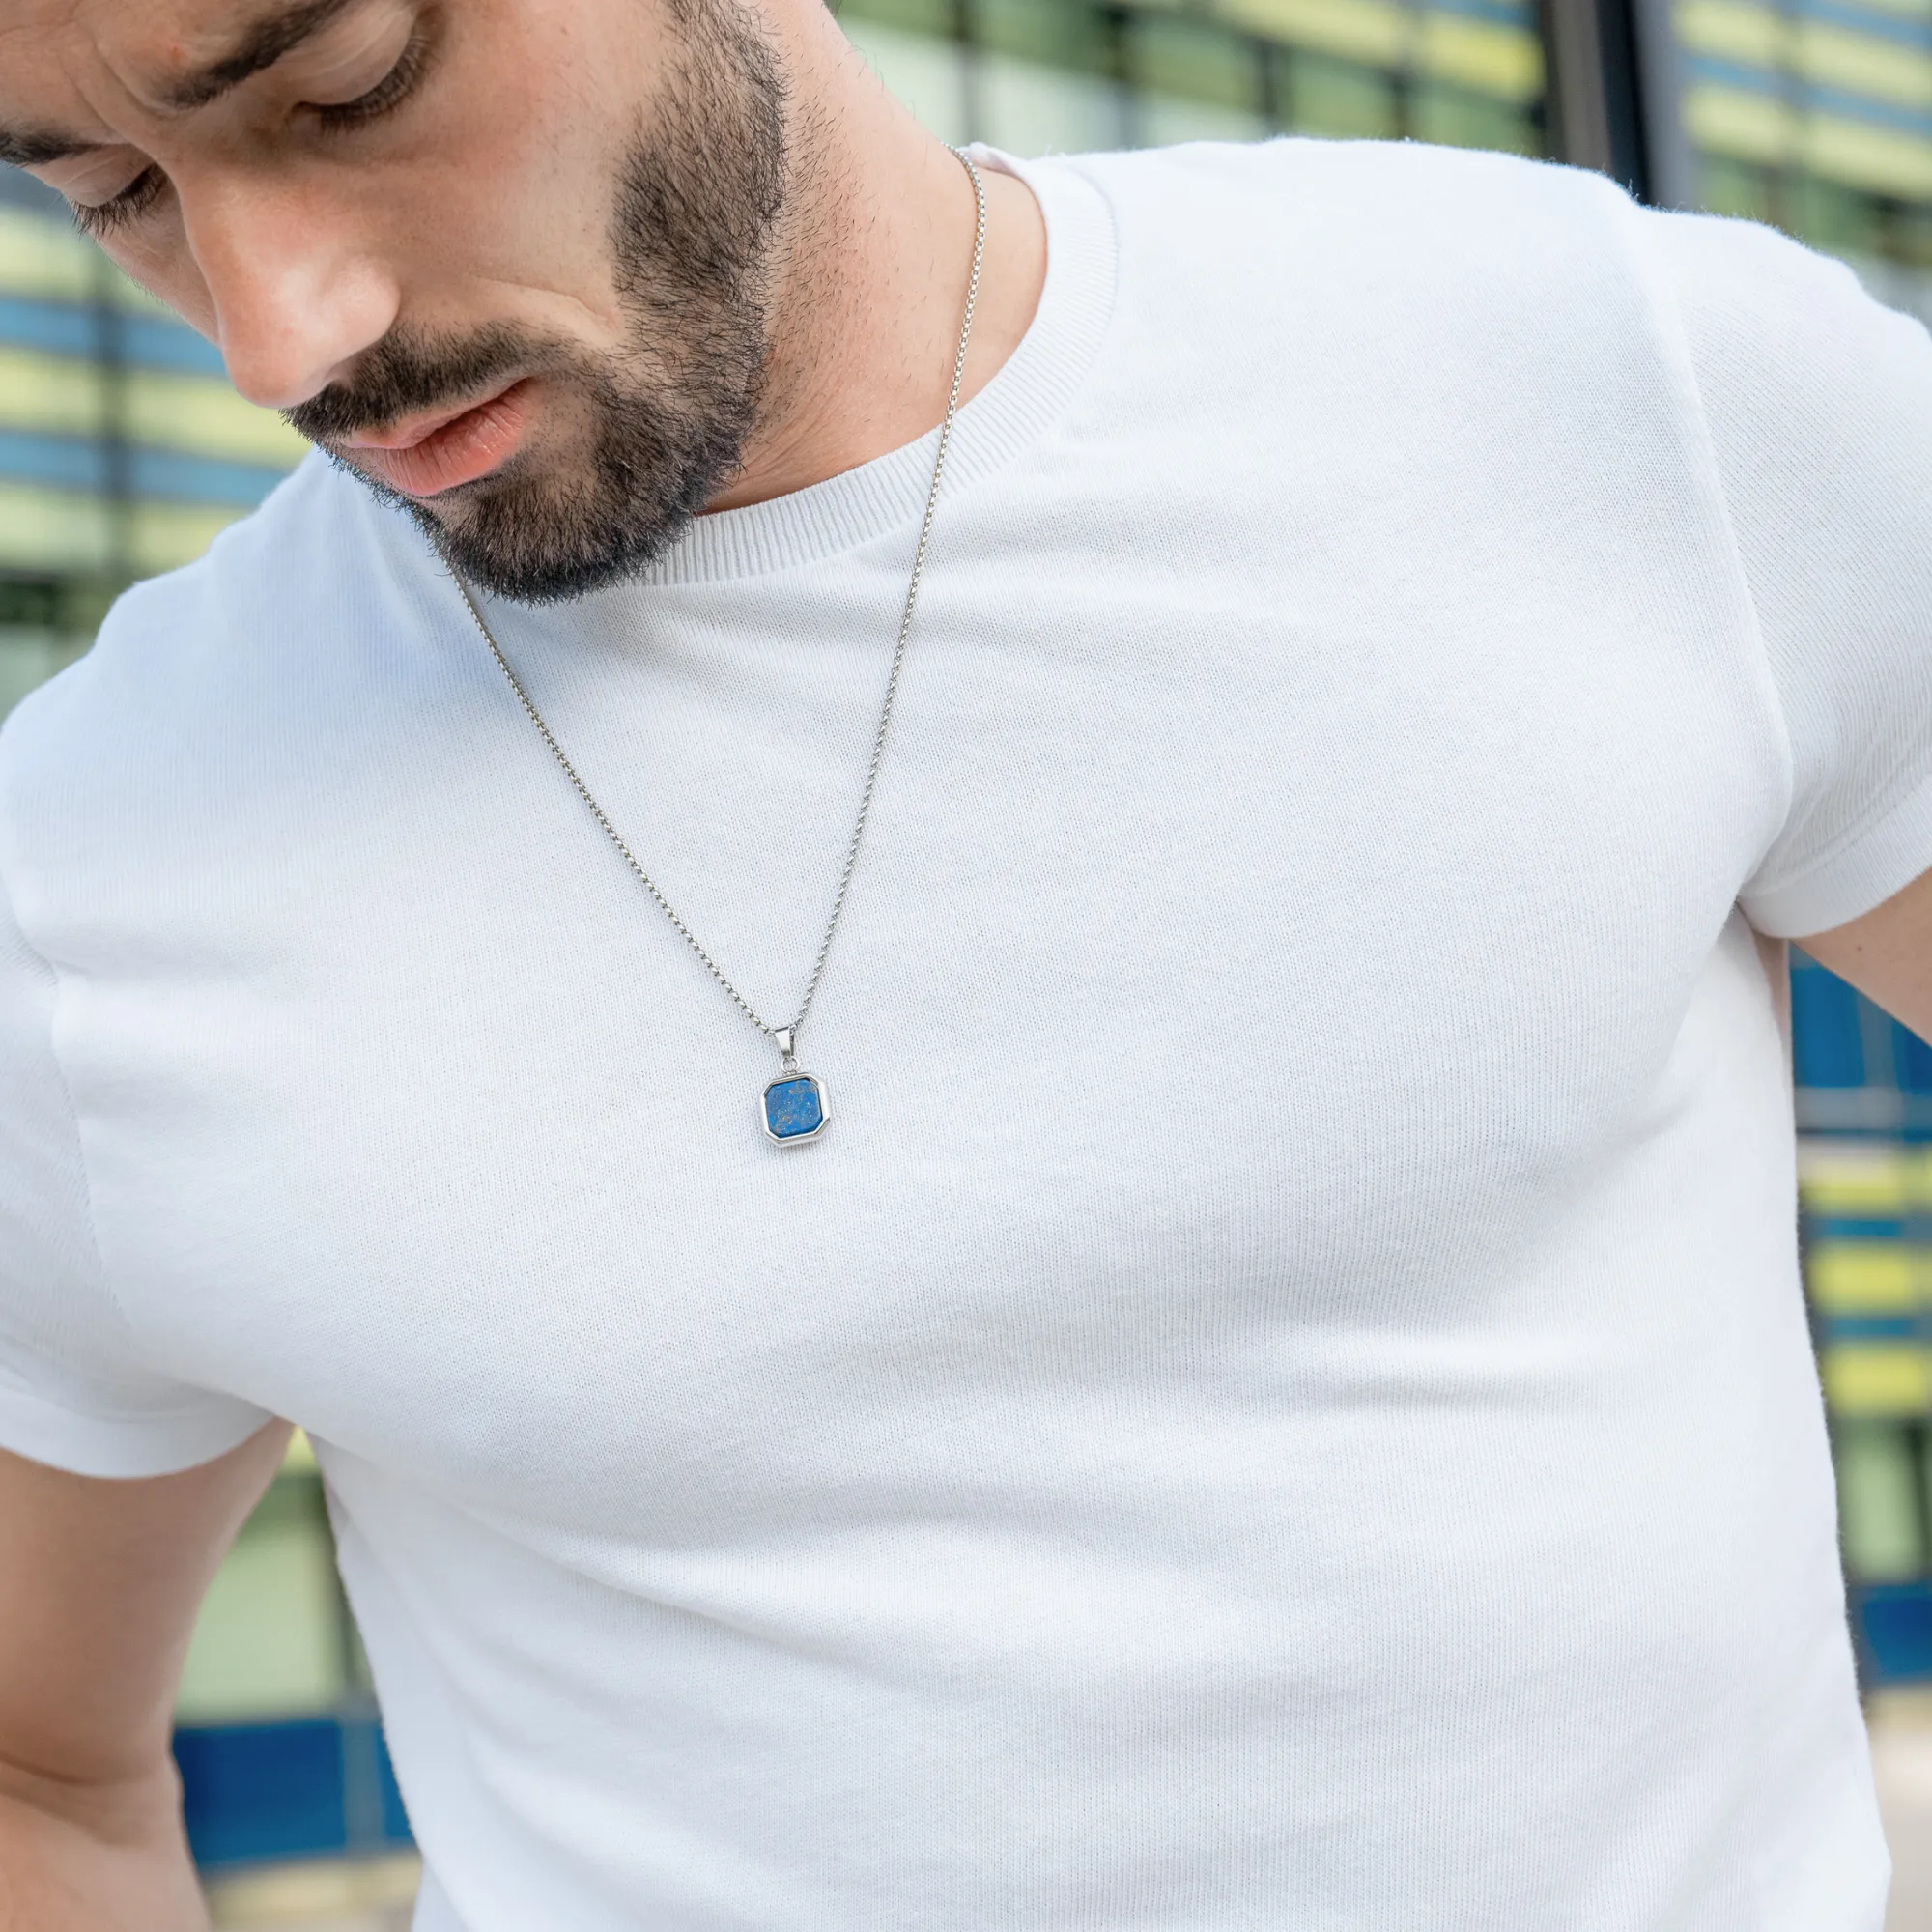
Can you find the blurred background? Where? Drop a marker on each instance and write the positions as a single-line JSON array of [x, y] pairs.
[[123, 451]]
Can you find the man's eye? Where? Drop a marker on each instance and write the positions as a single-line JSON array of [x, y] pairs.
[[391, 92], [129, 205]]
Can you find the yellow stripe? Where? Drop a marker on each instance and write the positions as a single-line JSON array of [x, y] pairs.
[[1728, 121], [1882, 159], [1862, 64], [1505, 62], [1876, 1379], [1863, 1277], [201, 414], [41, 258], [1854, 1180], [59, 530], [53, 393], [167, 535], [65, 529], [337, 1891], [1872, 65], [1359, 30], [1755, 127], [1731, 30], [1481, 56]]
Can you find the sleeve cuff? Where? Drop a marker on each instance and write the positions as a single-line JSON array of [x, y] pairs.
[[92, 1441], [1883, 859]]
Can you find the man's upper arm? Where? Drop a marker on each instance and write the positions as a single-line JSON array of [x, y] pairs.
[[1816, 405], [100, 1582], [121, 1483], [78, 1388]]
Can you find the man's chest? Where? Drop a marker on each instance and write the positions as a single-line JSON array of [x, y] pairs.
[[1198, 957]]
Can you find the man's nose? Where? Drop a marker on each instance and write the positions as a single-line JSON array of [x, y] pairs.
[[297, 292]]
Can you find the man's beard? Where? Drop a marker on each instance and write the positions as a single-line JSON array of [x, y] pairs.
[[696, 209]]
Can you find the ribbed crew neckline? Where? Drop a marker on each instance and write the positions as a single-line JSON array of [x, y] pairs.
[[882, 495]]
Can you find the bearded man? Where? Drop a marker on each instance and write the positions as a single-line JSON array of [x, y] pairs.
[[1254, 716]]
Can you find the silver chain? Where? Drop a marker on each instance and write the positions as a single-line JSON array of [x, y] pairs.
[[785, 1038]]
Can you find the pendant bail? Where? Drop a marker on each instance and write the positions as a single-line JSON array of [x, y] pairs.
[[783, 1037]]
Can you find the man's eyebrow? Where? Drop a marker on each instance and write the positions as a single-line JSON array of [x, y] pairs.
[[260, 47], [36, 151]]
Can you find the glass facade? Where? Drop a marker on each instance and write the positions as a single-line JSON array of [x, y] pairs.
[[1030, 75], [1816, 115], [1864, 1100], [123, 451]]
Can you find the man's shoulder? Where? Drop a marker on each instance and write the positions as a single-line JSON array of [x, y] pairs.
[[1334, 162], [1253, 278], [1257, 193], [272, 588], [229, 651], [1365, 243]]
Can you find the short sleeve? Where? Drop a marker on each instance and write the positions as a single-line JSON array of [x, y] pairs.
[[1818, 404], [74, 1389]]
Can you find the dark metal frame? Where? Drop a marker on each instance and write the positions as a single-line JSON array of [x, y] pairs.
[[1612, 98]]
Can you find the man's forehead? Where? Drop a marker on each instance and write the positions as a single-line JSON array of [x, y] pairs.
[[168, 56]]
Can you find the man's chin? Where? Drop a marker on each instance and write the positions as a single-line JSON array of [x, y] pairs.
[[513, 538]]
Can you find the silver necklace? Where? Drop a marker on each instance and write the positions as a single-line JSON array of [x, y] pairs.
[[794, 1107]]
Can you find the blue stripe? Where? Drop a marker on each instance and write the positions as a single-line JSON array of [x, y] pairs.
[[1895, 1621], [68, 328], [1854, 1228], [153, 342], [1871, 1328], [307, 1788], [1901, 32], [1825, 1012], [1803, 94], [22, 190], [1880, 26], [78, 463], [1862, 107], [65, 462], [201, 479], [1502, 13], [56, 326]]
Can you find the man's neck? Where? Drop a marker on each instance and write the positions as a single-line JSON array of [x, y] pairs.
[[869, 303]]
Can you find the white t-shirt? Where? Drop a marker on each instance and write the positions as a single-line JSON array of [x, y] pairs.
[[1282, 1399]]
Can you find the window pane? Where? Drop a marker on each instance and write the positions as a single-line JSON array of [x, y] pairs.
[[1816, 115], [1065, 75]]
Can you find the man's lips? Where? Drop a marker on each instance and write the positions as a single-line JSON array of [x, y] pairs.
[[423, 456]]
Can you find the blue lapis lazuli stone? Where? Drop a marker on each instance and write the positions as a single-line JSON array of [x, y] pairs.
[[794, 1108]]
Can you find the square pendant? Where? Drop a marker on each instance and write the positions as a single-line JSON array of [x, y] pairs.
[[795, 1109]]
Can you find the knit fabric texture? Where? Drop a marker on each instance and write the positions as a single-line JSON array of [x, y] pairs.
[[1282, 1396]]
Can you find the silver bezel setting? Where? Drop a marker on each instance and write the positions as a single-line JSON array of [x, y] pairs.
[[783, 1079]]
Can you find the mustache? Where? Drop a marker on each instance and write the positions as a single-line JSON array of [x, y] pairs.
[[409, 374]]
